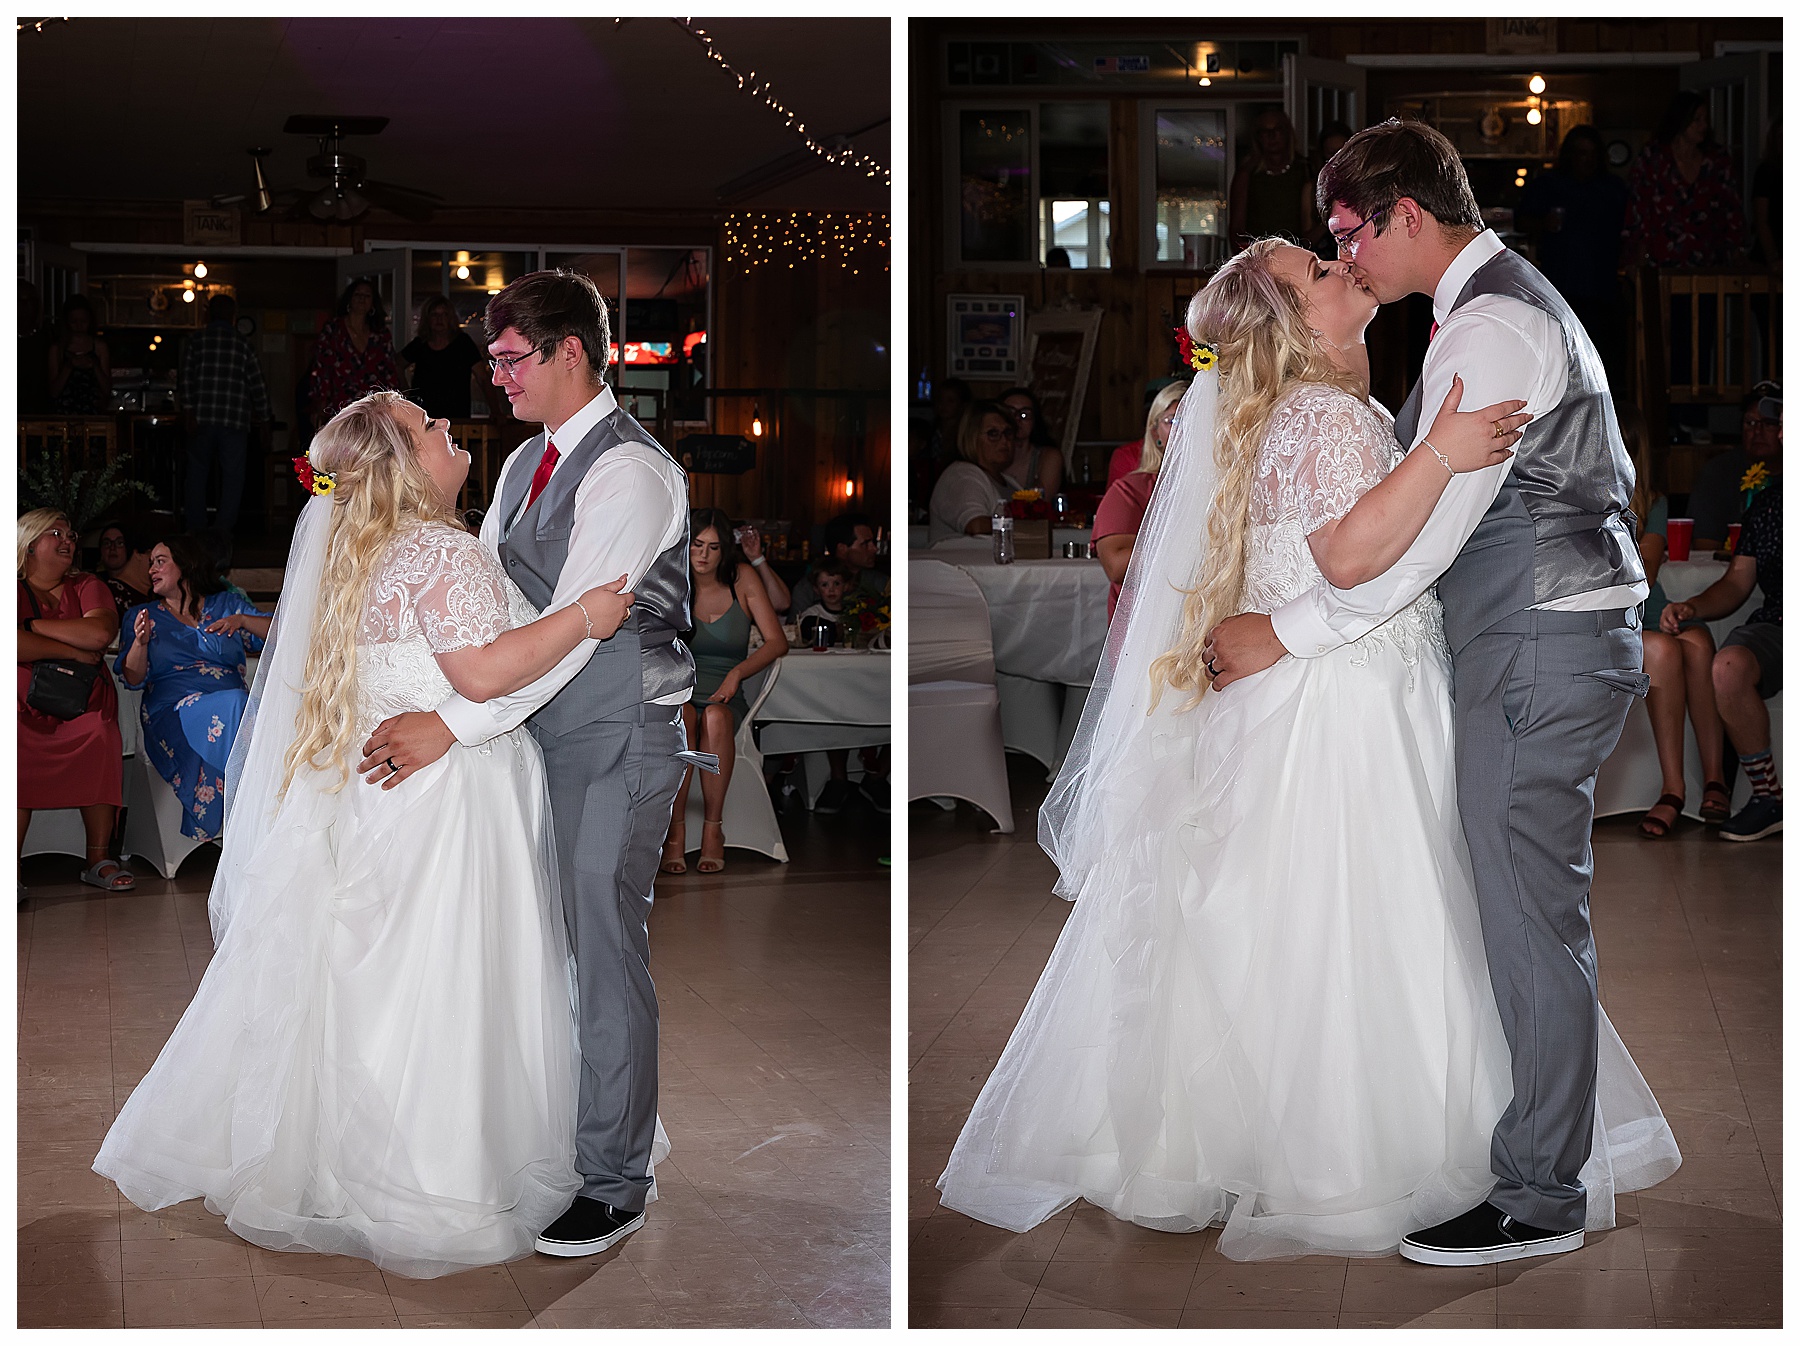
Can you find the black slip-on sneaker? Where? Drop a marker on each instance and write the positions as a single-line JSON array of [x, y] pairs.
[[1483, 1236], [588, 1227]]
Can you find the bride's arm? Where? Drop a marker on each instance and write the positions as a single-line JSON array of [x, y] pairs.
[[1388, 518], [523, 655]]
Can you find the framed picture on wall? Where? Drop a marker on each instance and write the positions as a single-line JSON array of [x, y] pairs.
[[1059, 356], [986, 332]]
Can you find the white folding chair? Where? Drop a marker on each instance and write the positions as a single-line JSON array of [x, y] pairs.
[[954, 740], [749, 815], [153, 819]]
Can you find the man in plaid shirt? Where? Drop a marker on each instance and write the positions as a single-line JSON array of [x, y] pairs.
[[222, 396]]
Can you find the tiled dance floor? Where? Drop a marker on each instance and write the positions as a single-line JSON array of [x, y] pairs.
[[775, 1090], [1689, 932]]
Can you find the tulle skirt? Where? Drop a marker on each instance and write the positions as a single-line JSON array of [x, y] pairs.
[[379, 1061], [1270, 1007]]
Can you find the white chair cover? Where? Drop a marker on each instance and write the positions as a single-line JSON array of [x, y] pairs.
[[749, 815], [954, 742], [153, 819]]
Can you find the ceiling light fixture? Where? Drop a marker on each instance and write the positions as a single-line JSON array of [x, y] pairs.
[[1537, 84], [200, 270]]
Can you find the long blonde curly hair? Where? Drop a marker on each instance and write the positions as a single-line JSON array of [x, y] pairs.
[[381, 491], [1266, 345]]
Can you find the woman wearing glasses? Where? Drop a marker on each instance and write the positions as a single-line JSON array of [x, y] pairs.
[[964, 499], [68, 616]]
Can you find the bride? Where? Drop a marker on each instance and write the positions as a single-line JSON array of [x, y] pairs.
[[379, 1060], [1270, 1008]]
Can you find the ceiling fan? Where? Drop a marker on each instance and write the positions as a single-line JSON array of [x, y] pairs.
[[348, 192]]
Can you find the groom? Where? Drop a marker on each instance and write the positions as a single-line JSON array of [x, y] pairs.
[[591, 498], [1540, 580]]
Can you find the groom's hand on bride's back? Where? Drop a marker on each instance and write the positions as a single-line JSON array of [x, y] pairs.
[[402, 745], [1241, 646]]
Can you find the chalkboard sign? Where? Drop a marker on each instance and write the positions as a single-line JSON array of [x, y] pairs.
[[722, 454], [1059, 355]]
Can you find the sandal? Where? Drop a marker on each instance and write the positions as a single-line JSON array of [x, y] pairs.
[[712, 864], [1711, 811], [674, 856], [116, 879], [1655, 828]]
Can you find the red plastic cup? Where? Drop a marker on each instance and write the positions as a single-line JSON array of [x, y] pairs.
[[1681, 538], [1731, 537]]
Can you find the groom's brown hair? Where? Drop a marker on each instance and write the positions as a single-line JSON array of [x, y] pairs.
[[1380, 164], [546, 306]]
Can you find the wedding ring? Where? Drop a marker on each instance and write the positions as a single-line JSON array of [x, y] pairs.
[[1211, 668], [391, 767]]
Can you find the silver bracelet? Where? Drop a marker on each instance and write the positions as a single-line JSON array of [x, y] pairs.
[[1440, 457], [585, 618], [758, 561]]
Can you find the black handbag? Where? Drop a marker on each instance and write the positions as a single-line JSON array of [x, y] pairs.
[[59, 687]]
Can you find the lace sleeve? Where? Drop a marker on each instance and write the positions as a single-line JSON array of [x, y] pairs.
[[1336, 453], [458, 592]]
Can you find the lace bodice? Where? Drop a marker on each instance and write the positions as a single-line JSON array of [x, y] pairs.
[[1322, 452], [436, 590]]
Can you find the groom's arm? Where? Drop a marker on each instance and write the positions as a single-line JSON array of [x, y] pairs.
[[629, 508], [1503, 348]]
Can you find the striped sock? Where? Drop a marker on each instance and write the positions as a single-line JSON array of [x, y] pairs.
[[1760, 768]]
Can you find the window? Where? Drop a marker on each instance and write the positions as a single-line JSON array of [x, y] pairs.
[[1076, 212], [1186, 193], [1028, 179]]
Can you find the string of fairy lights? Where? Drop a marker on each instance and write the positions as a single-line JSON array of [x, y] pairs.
[[36, 25], [756, 239], [759, 88]]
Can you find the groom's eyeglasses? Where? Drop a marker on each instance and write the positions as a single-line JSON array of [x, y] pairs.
[[1346, 242], [504, 364]]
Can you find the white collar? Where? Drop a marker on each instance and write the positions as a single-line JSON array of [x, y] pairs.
[[572, 431], [1477, 253]]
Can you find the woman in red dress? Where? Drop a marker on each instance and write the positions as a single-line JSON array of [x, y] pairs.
[[354, 354], [79, 763]]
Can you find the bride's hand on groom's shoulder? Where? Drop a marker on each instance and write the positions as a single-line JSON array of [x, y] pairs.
[[1472, 440], [1240, 647]]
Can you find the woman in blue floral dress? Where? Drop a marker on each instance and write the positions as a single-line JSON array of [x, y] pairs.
[[188, 652]]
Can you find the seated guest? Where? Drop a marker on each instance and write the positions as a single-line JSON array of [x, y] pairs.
[[187, 651], [1126, 457], [1679, 665], [1122, 508], [963, 501], [1746, 672], [726, 600], [750, 543], [830, 582], [125, 565], [1037, 464], [1717, 500], [70, 617], [850, 541]]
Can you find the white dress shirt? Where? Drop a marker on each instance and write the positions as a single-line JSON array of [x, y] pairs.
[[1503, 348], [630, 508]]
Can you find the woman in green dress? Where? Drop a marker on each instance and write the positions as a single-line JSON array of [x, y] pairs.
[[727, 599]]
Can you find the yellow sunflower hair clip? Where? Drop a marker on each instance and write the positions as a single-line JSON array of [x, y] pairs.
[[1204, 356]]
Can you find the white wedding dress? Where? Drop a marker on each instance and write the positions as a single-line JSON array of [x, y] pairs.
[[1270, 1006], [379, 1060]]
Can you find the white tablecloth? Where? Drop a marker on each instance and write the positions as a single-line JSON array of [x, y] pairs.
[[827, 699], [1049, 625], [1630, 781]]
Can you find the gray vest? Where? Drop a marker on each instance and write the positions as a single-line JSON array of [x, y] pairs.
[[1560, 524], [645, 660]]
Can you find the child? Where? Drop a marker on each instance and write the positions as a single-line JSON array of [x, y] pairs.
[[831, 581]]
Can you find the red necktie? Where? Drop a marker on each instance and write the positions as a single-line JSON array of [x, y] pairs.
[[1433, 336], [541, 478]]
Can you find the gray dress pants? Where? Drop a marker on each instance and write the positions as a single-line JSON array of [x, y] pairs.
[[612, 783], [1541, 699]]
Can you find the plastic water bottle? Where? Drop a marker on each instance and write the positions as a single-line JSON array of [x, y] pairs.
[[1003, 536]]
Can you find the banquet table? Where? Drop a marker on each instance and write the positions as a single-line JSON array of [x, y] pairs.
[[1630, 781], [825, 699], [1048, 619]]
